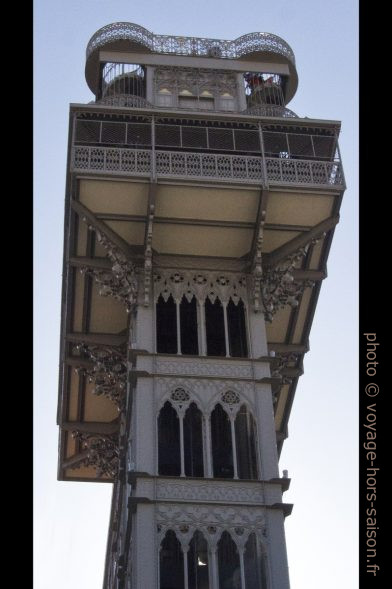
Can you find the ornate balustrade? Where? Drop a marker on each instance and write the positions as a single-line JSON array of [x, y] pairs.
[[295, 171], [217, 167], [195, 46]]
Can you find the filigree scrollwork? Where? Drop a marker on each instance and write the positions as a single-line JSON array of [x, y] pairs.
[[120, 282], [102, 452], [278, 287], [280, 363], [257, 264], [109, 372]]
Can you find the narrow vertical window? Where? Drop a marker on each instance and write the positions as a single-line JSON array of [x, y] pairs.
[[215, 328], [166, 325], [193, 442], [188, 323], [237, 330], [222, 449], [198, 562], [245, 437], [169, 461], [228, 563], [254, 564], [171, 563]]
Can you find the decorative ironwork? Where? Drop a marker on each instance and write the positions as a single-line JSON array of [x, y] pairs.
[[270, 111], [109, 373], [230, 397], [120, 282], [278, 287], [196, 46], [148, 258], [233, 168], [102, 453], [280, 363], [127, 100], [257, 264]]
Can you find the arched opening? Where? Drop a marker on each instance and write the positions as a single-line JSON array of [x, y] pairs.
[[215, 328], [171, 563], [222, 449], [228, 563], [254, 564], [245, 437], [169, 460], [198, 562], [166, 326], [237, 330], [188, 325], [193, 442]]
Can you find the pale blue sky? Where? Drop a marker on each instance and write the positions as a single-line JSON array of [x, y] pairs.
[[71, 519]]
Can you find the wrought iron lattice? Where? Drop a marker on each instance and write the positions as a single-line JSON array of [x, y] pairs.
[[244, 45]]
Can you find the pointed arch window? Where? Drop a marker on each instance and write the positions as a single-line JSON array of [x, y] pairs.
[[215, 328], [166, 326], [188, 326], [222, 448], [169, 456], [228, 563], [171, 563], [237, 330], [193, 442], [255, 564], [198, 565], [245, 436]]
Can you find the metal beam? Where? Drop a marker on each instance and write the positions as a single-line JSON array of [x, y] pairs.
[[282, 252], [81, 261], [104, 339], [94, 427], [130, 251]]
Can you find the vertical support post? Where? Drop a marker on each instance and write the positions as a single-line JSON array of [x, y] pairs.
[[181, 418], [265, 174], [207, 425], [234, 445], [203, 338], [178, 327], [153, 162], [226, 330], [185, 553], [242, 567], [214, 568]]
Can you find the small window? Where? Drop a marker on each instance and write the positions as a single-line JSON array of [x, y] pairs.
[[188, 323], [245, 439], [222, 449], [166, 320], [237, 330], [198, 577], [169, 461], [254, 564], [226, 101], [193, 442], [215, 328], [228, 563], [171, 563]]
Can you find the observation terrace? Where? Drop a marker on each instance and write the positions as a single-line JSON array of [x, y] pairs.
[[130, 37]]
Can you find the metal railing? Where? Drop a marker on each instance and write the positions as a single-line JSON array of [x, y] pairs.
[[205, 166], [195, 46]]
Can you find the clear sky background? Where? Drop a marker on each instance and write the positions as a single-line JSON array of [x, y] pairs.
[[71, 519]]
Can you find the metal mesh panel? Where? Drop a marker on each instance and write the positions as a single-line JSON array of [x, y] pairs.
[[300, 145], [139, 134], [247, 140], [113, 133], [220, 139], [194, 137], [168, 135], [87, 131], [324, 147], [275, 143]]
